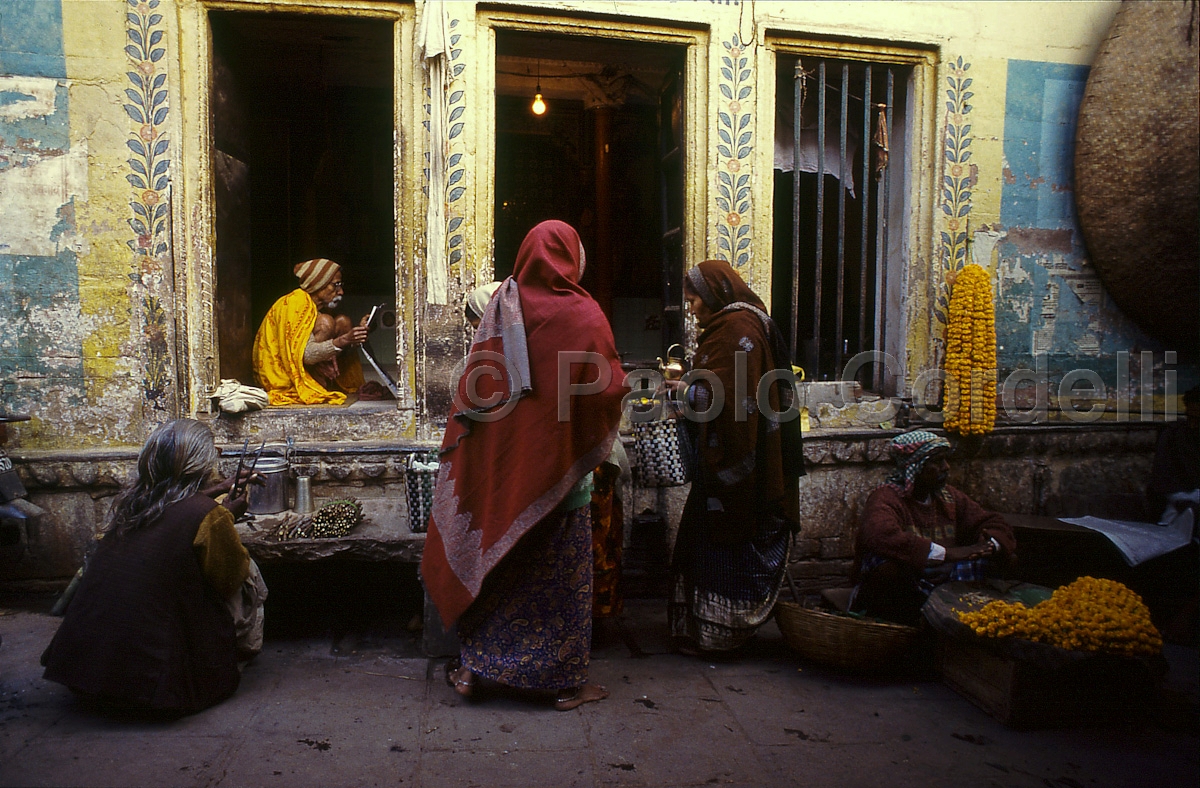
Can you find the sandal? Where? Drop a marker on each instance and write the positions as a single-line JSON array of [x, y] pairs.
[[577, 696]]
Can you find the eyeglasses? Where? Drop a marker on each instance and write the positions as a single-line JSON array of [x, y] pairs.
[[337, 286]]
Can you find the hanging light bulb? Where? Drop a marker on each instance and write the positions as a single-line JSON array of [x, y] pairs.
[[538, 106]]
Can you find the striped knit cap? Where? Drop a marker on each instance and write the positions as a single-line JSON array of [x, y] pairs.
[[911, 451], [315, 274]]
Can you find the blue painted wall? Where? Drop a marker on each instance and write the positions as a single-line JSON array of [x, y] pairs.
[[38, 293], [1049, 299]]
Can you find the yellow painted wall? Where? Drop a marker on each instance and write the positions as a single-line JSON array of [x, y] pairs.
[[118, 335]]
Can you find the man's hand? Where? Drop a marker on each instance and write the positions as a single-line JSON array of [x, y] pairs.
[[354, 337], [969, 552]]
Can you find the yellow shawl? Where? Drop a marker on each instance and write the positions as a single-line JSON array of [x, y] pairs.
[[279, 356]]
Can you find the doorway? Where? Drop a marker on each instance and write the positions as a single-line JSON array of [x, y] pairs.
[[303, 156], [599, 158]]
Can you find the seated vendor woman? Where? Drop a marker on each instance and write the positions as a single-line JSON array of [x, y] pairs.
[[299, 353], [918, 532]]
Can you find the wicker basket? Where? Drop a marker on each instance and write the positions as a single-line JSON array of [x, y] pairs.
[[842, 641]]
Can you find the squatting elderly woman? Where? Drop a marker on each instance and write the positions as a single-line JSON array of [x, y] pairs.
[[734, 537], [509, 550], [152, 626]]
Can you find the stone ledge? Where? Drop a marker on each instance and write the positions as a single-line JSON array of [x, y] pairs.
[[383, 535], [376, 462]]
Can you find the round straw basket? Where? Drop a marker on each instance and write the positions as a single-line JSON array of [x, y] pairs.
[[842, 641]]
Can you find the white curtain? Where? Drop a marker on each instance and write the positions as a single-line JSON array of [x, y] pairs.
[[434, 42]]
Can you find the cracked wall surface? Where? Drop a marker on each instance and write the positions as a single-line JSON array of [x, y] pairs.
[[105, 261]]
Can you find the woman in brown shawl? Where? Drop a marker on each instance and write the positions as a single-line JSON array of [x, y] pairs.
[[735, 534], [152, 625]]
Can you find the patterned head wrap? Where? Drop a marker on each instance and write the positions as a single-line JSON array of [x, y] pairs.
[[911, 451], [315, 274]]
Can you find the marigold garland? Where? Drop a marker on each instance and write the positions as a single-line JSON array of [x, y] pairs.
[[970, 404], [1087, 615]]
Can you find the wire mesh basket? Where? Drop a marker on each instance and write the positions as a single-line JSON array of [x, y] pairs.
[[661, 450], [420, 473]]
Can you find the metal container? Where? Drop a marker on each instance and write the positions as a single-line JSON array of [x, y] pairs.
[[304, 501], [271, 497]]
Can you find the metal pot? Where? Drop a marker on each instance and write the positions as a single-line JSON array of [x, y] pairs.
[[271, 497]]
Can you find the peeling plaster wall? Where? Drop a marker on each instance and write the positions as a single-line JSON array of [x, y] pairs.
[[43, 177], [95, 116], [1049, 299], [87, 98]]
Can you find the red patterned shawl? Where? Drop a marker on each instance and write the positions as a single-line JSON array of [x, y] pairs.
[[498, 478]]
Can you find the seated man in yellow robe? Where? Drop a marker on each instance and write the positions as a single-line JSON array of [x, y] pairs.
[[298, 352]]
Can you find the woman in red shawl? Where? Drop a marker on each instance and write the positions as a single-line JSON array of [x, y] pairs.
[[508, 554], [735, 533]]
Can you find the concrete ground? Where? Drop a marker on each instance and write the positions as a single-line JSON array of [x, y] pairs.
[[358, 705]]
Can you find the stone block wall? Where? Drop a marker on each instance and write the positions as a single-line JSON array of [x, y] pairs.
[[1058, 471]]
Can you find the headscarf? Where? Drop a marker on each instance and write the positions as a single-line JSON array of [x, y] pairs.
[[742, 463], [477, 300], [499, 478], [911, 451], [315, 274]]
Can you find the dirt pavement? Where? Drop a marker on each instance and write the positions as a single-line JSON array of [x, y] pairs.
[[363, 707]]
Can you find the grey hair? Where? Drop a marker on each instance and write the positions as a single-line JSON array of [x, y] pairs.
[[175, 461]]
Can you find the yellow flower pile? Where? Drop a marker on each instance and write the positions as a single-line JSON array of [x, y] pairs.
[[1087, 615], [970, 404]]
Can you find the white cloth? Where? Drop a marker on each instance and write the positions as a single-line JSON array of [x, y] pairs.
[[246, 607], [477, 300], [785, 136], [433, 39], [234, 397], [1140, 542]]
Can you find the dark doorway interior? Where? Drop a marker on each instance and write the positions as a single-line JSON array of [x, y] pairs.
[[593, 161], [302, 115]]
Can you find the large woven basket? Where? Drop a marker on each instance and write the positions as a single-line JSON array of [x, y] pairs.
[[842, 641]]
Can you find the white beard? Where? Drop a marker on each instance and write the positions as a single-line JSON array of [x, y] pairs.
[[334, 302]]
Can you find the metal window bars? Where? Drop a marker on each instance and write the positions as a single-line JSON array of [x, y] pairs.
[[840, 318]]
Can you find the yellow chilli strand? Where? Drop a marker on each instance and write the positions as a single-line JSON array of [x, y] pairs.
[[1087, 615], [970, 404]]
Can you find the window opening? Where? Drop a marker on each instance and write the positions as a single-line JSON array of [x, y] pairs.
[[837, 122], [302, 115]]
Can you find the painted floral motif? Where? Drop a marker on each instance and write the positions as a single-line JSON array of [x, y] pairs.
[[149, 176], [734, 132], [957, 181], [456, 107]]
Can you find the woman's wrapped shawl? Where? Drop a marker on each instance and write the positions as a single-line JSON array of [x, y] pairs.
[[513, 450], [747, 464]]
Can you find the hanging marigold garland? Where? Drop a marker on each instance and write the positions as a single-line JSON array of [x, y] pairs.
[[970, 405]]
